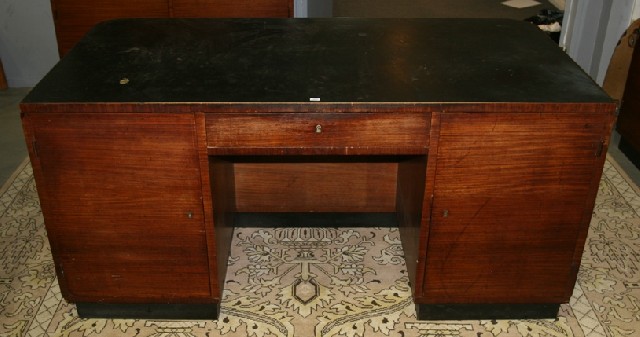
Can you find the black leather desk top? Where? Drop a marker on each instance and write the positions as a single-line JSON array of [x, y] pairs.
[[333, 60]]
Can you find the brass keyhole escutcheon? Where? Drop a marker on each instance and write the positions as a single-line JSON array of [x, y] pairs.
[[318, 128]]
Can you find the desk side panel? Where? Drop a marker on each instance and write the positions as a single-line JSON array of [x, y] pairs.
[[512, 199], [122, 206]]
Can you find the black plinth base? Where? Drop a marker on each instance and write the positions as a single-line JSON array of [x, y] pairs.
[[315, 219], [486, 311], [630, 152], [149, 311]]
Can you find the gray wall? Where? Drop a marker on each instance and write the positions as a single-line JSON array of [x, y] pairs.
[[591, 30], [28, 47]]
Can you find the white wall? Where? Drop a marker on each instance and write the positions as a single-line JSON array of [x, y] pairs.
[[28, 46]]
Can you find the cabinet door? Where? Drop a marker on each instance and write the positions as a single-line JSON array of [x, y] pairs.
[[121, 198], [513, 196], [73, 18]]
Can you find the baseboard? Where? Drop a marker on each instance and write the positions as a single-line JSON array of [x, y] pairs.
[[209, 311], [486, 311]]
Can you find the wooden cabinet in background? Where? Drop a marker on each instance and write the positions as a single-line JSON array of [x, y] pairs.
[[74, 18]]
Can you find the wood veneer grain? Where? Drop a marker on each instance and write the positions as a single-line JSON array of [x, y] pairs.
[[512, 140], [123, 206], [409, 208], [509, 200], [231, 8], [316, 187], [318, 133]]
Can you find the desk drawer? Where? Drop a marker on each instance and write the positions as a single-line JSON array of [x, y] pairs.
[[316, 133]]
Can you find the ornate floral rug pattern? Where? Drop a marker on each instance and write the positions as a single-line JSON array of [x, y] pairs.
[[306, 282]]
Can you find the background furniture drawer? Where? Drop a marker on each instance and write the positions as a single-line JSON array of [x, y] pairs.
[[346, 133]]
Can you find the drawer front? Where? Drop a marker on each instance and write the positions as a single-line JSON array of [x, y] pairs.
[[338, 133]]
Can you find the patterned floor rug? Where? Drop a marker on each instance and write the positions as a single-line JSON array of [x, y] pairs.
[[307, 282]]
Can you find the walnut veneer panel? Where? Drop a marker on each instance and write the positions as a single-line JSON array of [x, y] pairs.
[[232, 8], [122, 203], [316, 186], [409, 210], [339, 133], [511, 199]]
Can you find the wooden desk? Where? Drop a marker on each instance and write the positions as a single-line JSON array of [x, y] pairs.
[[482, 137]]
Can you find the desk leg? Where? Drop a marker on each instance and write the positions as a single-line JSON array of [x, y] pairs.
[[409, 199], [223, 195]]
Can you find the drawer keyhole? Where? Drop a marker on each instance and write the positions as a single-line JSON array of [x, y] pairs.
[[318, 128]]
